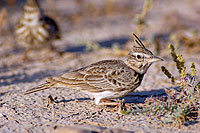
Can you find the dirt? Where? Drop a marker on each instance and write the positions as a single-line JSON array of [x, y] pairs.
[[74, 110]]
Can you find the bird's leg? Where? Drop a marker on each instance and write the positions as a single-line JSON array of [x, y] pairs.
[[52, 49], [108, 102], [25, 56], [51, 100], [117, 105]]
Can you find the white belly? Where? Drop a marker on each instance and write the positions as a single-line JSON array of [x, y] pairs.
[[105, 95]]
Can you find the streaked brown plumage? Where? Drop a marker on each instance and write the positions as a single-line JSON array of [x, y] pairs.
[[107, 79], [34, 29]]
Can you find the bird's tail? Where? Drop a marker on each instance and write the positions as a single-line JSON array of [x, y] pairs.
[[48, 84]]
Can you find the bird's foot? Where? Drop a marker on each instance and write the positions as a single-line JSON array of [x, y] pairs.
[[25, 57], [117, 105], [51, 100], [108, 102]]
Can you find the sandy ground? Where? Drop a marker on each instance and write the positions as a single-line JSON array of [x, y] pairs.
[[74, 110]]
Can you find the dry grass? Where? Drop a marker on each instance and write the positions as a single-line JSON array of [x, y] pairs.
[[140, 19]]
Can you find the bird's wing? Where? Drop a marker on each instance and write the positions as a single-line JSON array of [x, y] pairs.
[[108, 78], [51, 26], [101, 76], [73, 80]]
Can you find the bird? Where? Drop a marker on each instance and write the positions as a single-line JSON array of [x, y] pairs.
[[35, 29], [106, 79]]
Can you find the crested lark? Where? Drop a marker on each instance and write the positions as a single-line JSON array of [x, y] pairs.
[[107, 79], [35, 29]]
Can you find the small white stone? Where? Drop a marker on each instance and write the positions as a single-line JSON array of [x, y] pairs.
[[1, 115]]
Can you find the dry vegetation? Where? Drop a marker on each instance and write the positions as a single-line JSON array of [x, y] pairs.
[[181, 103]]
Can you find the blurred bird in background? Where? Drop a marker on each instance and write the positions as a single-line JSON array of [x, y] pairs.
[[36, 30]]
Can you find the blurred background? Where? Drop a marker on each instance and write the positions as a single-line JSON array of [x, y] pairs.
[[91, 24]]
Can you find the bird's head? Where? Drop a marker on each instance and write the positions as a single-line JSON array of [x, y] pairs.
[[140, 58]]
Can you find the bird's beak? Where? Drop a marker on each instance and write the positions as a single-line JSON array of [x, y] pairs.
[[155, 59]]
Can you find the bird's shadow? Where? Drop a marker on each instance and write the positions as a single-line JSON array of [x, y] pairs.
[[140, 96], [70, 100], [135, 97]]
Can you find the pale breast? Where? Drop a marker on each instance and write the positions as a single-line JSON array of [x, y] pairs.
[[34, 36], [30, 31]]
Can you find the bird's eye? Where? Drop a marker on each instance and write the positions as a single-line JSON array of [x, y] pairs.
[[138, 56]]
